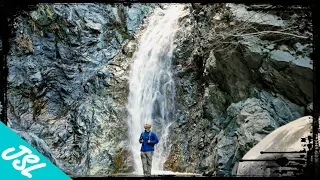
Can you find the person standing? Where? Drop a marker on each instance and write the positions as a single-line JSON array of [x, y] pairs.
[[147, 140]]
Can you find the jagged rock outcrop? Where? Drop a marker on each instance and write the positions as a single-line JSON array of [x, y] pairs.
[[236, 82], [68, 86], [38, 144]]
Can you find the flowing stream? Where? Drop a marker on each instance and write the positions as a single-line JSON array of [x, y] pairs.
[[152, 91]]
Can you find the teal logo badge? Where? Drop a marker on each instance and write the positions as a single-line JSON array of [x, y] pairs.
[[20, 161]]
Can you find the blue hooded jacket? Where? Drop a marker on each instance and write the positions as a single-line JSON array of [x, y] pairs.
[[145, 146]]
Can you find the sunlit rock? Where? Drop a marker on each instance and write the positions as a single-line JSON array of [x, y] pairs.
[[286, 138]]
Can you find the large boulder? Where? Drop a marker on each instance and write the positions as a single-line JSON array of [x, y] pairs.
[[246, 123], [286, 138]]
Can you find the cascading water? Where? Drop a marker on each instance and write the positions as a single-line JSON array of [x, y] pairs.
[[152, 92]]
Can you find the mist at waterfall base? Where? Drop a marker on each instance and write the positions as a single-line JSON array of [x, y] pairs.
[[152, 92]]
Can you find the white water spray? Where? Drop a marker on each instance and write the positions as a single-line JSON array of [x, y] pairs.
[[152, 92]]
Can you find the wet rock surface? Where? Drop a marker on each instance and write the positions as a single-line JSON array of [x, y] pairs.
[[67, 83]]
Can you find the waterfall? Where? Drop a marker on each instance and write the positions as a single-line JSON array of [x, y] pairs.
[[152, 91]]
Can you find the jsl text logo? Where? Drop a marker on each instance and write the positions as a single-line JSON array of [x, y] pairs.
[[20, 161], [27, 158]]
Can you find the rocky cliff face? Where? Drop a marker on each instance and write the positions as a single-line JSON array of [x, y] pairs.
[[67, 85], [236, 81]]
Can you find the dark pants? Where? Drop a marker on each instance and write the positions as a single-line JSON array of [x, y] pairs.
[[146, 158]]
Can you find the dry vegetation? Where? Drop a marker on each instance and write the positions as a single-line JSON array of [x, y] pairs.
[[24, 42], [228, 31]]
